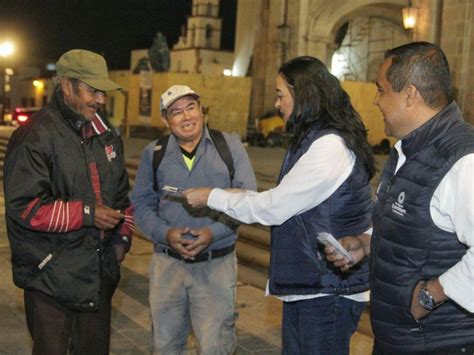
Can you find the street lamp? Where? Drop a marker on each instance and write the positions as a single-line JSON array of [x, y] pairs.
[[6, 49]]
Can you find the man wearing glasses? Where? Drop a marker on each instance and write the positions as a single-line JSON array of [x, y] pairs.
[[193, 272], [68, 216]]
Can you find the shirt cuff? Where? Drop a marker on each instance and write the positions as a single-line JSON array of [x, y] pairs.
[[454, 285], [217, 199], [88, 215]]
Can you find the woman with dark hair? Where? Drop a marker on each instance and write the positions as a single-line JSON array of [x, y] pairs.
[[323, 187]]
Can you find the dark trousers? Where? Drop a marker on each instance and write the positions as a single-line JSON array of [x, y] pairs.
[[322, 325], [459, 350], [55, 329]]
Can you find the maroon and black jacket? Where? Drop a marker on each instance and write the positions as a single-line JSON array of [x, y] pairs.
[[57, 167]]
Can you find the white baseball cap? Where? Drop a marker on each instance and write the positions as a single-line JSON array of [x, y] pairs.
[[174, 93]]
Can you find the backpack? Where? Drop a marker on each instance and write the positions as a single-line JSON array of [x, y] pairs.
[[219, 141]]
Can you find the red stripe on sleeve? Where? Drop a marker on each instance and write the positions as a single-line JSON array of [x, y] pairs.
[[59, 217], [128, 226]]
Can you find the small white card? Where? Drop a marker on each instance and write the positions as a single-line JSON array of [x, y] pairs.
[[328, 240]]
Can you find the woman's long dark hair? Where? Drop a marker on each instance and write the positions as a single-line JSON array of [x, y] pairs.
[[320, 101]]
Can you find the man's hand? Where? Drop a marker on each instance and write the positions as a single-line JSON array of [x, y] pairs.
[[358, 247], [203, 239], [120, 251], [435, 289], [106, 218], [176, 239], [197, 197]]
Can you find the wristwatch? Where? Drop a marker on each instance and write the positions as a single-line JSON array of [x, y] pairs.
[[425, 298]]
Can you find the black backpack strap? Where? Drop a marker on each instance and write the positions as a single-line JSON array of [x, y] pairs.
[[223, 150], [158, 154]]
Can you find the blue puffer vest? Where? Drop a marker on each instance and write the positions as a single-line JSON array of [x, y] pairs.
[[408, 247], [297, 263]]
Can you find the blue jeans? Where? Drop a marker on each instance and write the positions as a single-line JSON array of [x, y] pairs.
[[320, 326]]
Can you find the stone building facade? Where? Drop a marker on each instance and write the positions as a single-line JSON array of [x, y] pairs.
[[198, 48], [283, 29]]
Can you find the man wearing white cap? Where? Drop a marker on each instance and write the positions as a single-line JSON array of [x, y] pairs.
[[193, 272], [68, 216]]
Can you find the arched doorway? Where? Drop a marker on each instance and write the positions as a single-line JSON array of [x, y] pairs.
[[362, 43]]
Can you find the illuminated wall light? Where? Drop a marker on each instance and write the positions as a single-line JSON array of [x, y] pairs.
[[9, 71], [410, 15], [227, 72], [38, 84]]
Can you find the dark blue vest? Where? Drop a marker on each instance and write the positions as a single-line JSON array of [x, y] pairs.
[[297, 262], [406, 244]]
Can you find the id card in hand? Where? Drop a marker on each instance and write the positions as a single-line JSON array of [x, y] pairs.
[[328, 240], [172, 189]]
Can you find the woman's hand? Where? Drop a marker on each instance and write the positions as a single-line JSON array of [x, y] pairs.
[[357, 246], [197, 197]]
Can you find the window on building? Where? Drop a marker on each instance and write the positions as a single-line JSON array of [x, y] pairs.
[[24, 101], [32, 102], [208, 31]]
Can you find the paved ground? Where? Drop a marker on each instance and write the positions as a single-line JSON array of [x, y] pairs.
[[258, 325]]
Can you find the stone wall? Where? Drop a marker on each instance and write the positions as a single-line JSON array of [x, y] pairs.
[[457, 41], [204, 61], [226, 98], [117, 99], [312, 26], [362, 97]]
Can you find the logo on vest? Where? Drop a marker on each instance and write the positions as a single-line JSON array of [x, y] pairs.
[[397, 207]]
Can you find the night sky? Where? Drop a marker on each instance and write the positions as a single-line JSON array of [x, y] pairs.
[[44, 29]]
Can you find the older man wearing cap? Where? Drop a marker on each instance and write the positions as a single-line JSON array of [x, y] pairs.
[[68, 216], [193, 270]]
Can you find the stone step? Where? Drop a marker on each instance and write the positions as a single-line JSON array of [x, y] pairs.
[[252, 255], [250, 276], [256, 234]]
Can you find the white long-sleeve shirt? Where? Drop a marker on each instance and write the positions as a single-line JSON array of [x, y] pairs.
[[452, 210], [315, 176]]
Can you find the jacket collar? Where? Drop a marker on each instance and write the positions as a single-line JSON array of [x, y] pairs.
[[77, 121], [431, 130]]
